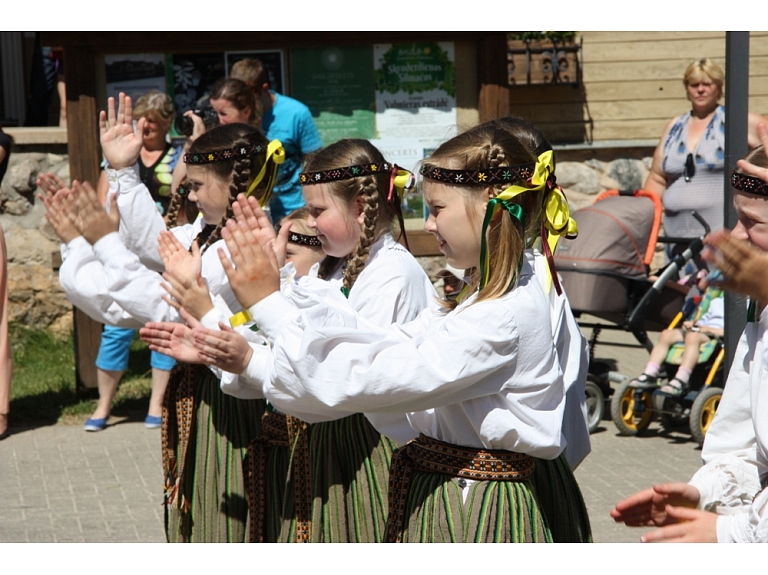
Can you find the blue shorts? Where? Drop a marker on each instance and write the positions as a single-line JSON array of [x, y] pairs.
[[116, 347]]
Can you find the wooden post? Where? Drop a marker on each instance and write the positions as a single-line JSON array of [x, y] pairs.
[[83, 148], [492, 73]]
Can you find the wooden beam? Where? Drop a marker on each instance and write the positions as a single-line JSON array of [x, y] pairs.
[[83, 146], [492, 73]]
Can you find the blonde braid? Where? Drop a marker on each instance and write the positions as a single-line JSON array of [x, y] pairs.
[[356, 263]]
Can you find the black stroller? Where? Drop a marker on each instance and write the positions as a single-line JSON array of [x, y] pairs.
[[605, 273]]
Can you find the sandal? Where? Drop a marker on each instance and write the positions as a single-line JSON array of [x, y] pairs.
[[675, 387], [644, 381]]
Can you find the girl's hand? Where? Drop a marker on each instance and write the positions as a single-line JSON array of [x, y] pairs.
[[687, 324], [255, 274], [57, 216], [192, 296], [120, 144], [172, 339], [248, 212], [89, 216], [184, 265], [649, 507], [226, 349], [50, 183], [743, 265], [692, 526]]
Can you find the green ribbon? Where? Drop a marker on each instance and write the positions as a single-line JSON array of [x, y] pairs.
[[494, 206]]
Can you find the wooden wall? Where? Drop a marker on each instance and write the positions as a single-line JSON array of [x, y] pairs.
[[632, 85]]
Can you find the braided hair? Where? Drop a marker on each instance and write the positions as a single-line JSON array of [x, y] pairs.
[[378, 213], [498, 143], [239, 171]]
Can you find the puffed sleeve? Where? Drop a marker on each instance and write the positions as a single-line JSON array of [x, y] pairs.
[[140, 220], [84, 282], [343, 362], [729, 477]]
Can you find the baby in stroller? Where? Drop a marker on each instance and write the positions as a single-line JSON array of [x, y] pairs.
[[703, 321]]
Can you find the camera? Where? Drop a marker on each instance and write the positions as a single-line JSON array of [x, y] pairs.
[[184, 125]]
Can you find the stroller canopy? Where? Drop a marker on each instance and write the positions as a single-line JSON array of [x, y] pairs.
[[617, 236]]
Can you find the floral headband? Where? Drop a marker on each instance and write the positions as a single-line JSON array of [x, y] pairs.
[[275, 152], [748, 184], [556, 218], [236, 153], [505, 175], [345, 173], [301, 239]]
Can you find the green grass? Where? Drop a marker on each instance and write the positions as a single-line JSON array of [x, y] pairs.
[[43, 390]]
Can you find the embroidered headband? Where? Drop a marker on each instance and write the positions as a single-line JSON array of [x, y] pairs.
[[748, 184], [400, 181], [345, 173], [533, 176], [301, 239], [223, 155], [275, 152], [505, 175]]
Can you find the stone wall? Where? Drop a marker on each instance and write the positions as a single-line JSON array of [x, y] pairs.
[[36, 299]]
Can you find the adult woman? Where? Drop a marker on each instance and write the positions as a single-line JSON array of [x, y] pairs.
[[687, 169], [157, 160]]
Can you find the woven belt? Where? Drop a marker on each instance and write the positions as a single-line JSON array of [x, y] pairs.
[[279, 430], [433, 456]]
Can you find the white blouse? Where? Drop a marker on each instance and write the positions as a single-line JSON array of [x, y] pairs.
[[485, 375], [116, 280], [392, 288], [735, 453]]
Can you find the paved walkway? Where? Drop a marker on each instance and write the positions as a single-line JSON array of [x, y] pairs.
[[60, 483]]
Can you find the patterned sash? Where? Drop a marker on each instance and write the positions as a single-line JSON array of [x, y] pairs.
[[433, 456], [288, 432]]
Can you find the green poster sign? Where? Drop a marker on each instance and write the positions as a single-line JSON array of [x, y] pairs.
[[337, 86], [416, 68]]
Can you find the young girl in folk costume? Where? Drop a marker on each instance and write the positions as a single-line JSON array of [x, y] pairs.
[[336, 489], [479, 380], [205, 433], [726, 501]]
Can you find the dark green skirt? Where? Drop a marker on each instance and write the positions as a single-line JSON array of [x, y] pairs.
[[205, 436], [443, 493], [345, 500]]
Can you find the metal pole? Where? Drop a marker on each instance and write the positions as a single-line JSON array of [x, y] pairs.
[[736, 104]]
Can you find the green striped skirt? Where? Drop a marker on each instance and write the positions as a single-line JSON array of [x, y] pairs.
[[561, 501], [205, 436], [442, 493], [335, 488]]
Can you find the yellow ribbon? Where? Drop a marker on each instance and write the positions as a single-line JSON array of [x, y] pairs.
[[240, 318], [276, 152], [556, 213]]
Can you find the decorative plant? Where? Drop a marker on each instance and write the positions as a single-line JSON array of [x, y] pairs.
[[556, 37]]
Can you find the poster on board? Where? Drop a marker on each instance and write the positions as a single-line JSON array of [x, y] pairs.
[[416, 91], [193, 76], [272, 60], [336, 84], [134, 74]]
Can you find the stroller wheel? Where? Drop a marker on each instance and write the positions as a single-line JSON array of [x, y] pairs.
[[703, 411], [631, 409], [595, 403]]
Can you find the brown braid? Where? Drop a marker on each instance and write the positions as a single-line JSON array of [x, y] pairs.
[[358, 260], [241, 176], [238, 171], [172, 216], [379, 214]]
